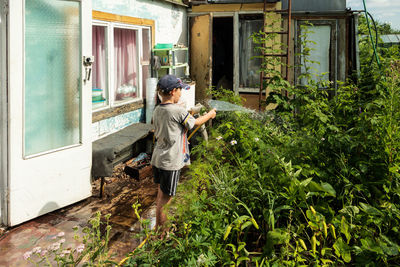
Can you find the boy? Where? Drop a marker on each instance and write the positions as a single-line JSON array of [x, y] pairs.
[[171, 150]]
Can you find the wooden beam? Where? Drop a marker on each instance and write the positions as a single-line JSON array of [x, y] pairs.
[[99, 15], [232, 7]]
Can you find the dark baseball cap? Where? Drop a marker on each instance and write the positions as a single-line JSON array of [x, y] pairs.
[[168, 82]]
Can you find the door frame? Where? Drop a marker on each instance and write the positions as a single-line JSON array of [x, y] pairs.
[[235, 20], [201, 55], [3, 112]]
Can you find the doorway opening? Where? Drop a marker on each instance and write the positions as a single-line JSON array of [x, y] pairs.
[[222, 47]]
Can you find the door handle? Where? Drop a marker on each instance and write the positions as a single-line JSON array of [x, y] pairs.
[[87, 63]]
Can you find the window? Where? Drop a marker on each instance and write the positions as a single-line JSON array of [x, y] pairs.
[[125, 70], [249, 75], [122, 62], [320, 37], [100, 74]]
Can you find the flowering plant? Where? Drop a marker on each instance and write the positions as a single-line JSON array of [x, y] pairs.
[[57, 253], [93, 248]]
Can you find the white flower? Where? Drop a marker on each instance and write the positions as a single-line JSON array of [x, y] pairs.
[[27, 255], [44, 252], [54, 246], [36, 250], [233, 142], [218, 138], [256, 139], [80, 248], [322, 139], [62, 240], [201, 259], [61, 234]]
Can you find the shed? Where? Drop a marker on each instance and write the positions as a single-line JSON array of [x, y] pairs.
[[220, 32]]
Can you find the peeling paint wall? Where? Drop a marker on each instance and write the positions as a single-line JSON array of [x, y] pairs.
[[170, 19], [108, 126], [170, 27]]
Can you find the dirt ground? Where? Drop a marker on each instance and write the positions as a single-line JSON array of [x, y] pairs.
[[120, 192]]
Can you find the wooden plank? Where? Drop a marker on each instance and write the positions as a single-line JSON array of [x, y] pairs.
[[236, 53], [232, 7], [99, 15], [200, 53]]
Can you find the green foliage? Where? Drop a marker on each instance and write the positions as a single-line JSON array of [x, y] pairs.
[[314, 182], [225, 95]]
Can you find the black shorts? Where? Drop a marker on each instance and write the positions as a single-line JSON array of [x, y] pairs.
[[168, 180]]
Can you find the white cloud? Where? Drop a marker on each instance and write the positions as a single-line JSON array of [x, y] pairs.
[[381, 4]]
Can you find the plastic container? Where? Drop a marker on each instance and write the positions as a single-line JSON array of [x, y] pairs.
[[97, 94], [98, 104], [164, 46]]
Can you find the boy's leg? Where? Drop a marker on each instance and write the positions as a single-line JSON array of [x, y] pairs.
[[162, 200], [167, 182]]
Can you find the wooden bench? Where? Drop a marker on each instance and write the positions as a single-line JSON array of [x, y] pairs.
[[119, 147]]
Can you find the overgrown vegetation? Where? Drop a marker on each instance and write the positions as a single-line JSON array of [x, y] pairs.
[[314, 182]]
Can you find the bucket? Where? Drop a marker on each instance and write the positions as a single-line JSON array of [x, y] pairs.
[[151, 86]]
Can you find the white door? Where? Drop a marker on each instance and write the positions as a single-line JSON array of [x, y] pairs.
[[49, 140]]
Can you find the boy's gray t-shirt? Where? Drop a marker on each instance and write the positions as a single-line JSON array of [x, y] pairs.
[[171, 123]]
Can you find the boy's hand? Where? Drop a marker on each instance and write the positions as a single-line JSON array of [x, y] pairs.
[[212, 113]]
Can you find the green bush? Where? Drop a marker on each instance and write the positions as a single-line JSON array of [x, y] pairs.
[[314, 182]]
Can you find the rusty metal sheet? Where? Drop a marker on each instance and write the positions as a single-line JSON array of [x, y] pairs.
[[316, 5]]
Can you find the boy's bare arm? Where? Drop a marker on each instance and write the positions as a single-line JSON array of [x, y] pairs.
[[210, 115]]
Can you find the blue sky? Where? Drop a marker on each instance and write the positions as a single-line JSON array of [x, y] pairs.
[[382, 10]]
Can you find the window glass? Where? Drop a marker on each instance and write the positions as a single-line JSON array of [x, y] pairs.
[[52, 75], [99, 68], [125, 65], [249, 76], [318, 40]]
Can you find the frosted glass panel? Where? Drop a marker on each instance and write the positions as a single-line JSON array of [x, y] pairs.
[[320, 45], [52, 75]]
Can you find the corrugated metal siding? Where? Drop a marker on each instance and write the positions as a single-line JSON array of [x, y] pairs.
[[316, 5], [390, 38], [297, 5]]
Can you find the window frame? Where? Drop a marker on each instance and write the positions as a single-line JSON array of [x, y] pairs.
[[111, 21]]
